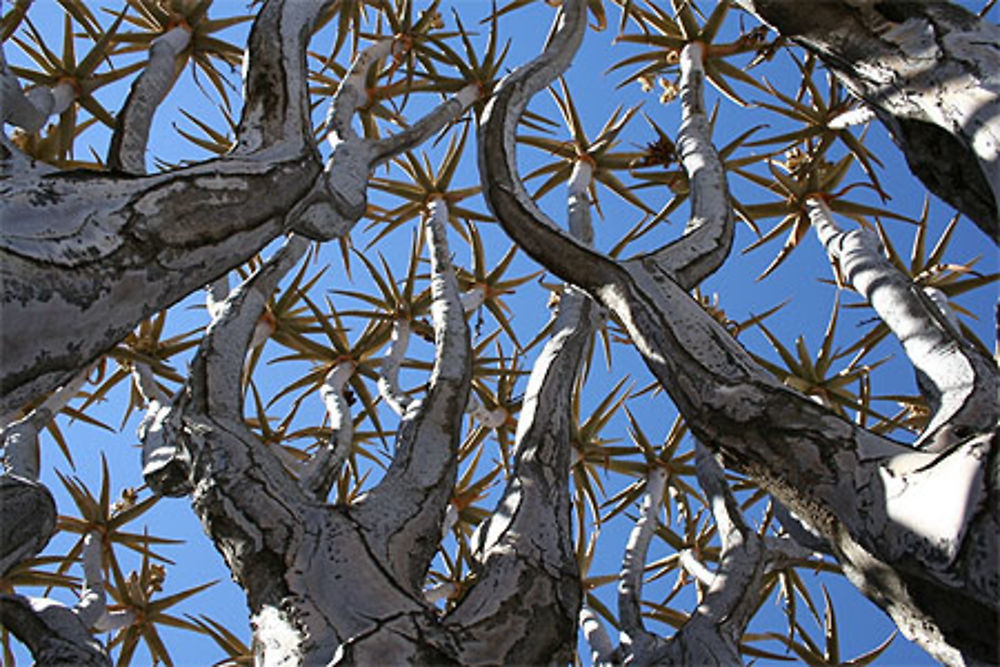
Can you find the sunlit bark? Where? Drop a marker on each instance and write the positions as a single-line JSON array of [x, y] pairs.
[[105, 250], [930, 71], [915, 529], [861, 492]]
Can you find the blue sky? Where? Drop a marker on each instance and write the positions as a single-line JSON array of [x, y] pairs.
[[798, 280]]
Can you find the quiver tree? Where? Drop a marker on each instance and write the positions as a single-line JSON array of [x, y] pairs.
[[866, 495], [455, 553], [925, 69]]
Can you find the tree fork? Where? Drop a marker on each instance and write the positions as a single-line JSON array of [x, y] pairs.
[[854, 487]]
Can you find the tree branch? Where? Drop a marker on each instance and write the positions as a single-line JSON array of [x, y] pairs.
[[29, 510], [960, 382], [166, 466], [857, 489], [708, 235], [214, 389], [92, 609], [427, 126], [388, 380], [127, 151], [53, 633], [56, 635], [503, 189], [29, 519], [85, 245], [30, 110], [931, 72], [321, 470], [603, 651], [104, 251], [637, 642], [276, 118], [339, 199], [525, 554], [403, 514], [20, 438], [713, 632]]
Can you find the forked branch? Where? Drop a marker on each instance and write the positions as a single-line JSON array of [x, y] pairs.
[[402, 516], [524, 555], [861, 492]]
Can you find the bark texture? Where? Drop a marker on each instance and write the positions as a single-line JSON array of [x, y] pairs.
[[931, 72], [29, 519], [861, 492], [106, 250], [53, 633], [344, 585], [916, 529]]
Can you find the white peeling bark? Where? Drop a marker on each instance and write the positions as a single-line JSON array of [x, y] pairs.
[[930, 71], [961, 383], [602, 650], [732, 593], [253, 509], [787, 443], [526, 602], [59, 635], [20, 438], [403, 514], [325, 584], [712, 633], [92, 609], [276, 119], [339, 199], [640, 645], [320, 472], [388, 381], [53, 633], [30, 109], [505, 193], [105, 251]]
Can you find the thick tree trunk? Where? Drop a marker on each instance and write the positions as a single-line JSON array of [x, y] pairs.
[[930, 70], [344, 585], [106, 251]]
